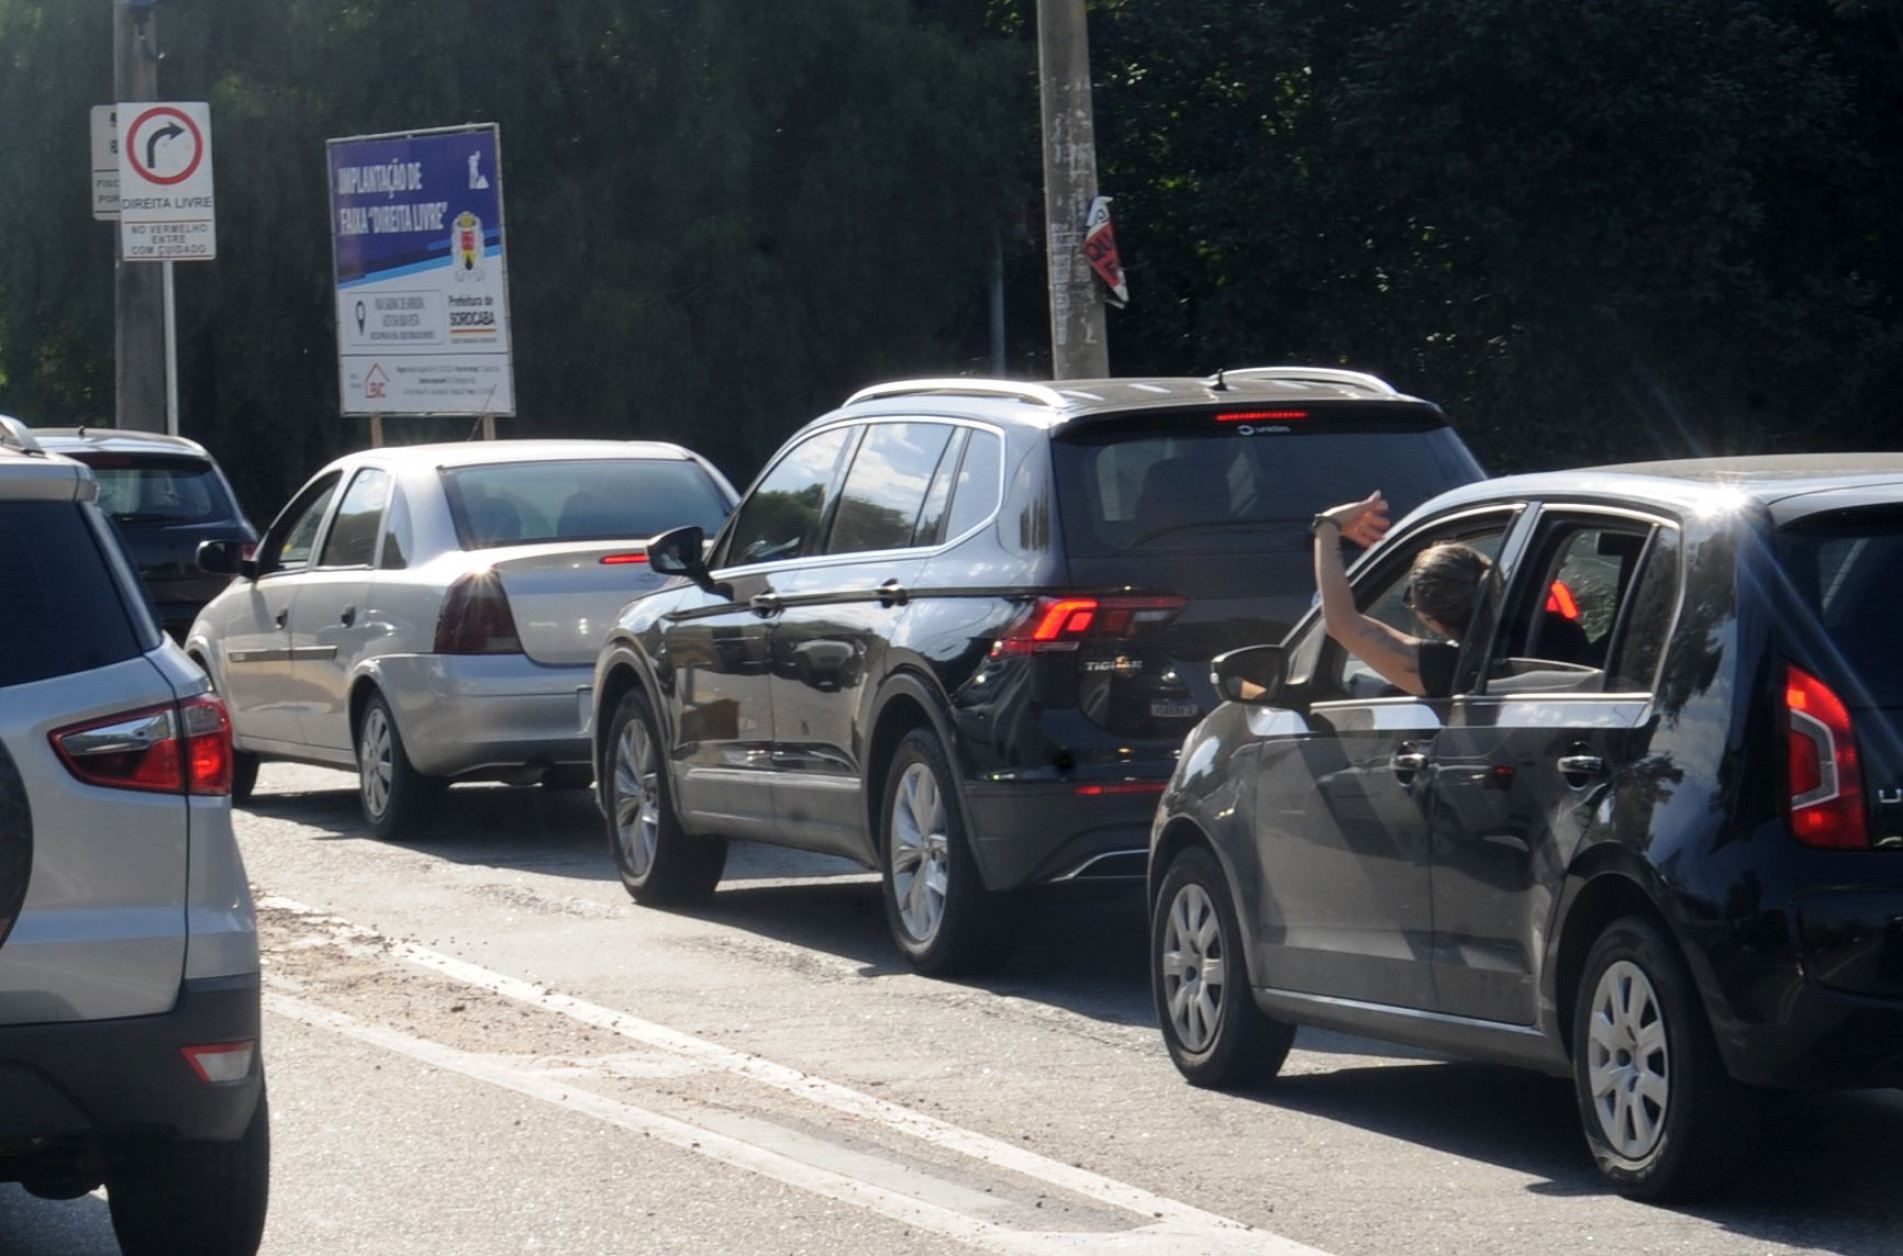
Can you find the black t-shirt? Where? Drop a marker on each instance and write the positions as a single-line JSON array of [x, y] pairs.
[[1438, 660]]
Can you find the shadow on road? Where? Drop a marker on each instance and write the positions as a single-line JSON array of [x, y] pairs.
[[75, 1227], [1822, 1177]]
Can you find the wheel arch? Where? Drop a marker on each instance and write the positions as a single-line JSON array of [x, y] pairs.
[[1181, 833], [1597, 898], [904, 703]]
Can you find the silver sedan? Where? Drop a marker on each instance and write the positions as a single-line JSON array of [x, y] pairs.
[[433, 612]]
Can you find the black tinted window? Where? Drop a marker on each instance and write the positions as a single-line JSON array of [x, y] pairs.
[[1848, 573], [976, 493], [886, 487], [931, 519], [139, 492], [1648, 617], [61, 611], [1182, 487], [531, 503], [352, 541], [780, 518]]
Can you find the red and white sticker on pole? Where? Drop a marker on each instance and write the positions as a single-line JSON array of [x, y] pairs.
[[1100, 246]]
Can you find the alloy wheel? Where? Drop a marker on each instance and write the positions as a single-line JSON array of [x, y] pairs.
[[1194, 968], [376, 751], [637, 799], [1628, 1060], [921, 852]]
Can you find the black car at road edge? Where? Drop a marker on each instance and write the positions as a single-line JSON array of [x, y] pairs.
[[1653, 841], [958, 629]]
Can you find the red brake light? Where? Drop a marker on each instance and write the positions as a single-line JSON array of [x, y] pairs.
[[476, 618], [1261, 416], [1062, 623], [1559, 600], [1825, 781], [616, 560], [183, 749]]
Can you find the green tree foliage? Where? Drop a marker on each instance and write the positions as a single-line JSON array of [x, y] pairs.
[[722, 216], [1592, 232]]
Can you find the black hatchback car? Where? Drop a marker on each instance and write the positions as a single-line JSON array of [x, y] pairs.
[[1653, 840], [958, 629], [167, 495]]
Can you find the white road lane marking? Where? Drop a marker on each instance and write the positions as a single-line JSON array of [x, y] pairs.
[[1168, 1227]]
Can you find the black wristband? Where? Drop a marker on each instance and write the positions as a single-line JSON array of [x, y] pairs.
[[1315, 524]]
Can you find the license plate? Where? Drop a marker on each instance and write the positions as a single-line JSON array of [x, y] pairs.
[[1169, 709]]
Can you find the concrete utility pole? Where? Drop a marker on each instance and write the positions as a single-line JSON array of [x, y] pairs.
[[1079, 349], [139, 306]]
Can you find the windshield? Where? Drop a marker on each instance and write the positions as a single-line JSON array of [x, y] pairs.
[[139, 492], [531, 503], [1849, 572], [1183, 489]]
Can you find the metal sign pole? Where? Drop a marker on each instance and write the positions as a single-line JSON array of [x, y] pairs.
[[171, 356]]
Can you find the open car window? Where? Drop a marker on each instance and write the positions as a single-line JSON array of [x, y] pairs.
[[1561, 628]]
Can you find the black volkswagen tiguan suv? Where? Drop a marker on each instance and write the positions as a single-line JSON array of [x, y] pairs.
[[1653, 840], [958, 629]]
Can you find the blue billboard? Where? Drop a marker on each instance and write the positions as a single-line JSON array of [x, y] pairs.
[[421, 279]]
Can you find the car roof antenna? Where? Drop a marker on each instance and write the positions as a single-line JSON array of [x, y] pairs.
[[1219, 385]]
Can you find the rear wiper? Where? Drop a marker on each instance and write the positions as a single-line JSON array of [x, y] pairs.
[[1212, 525]]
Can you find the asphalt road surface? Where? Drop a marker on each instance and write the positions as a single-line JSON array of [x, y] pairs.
[[477, 1044]]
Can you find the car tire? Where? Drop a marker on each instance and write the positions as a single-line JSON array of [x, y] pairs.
[[1217, 1035], [944, 919], [398, 801], [244, 774], [661, 864], [1662, 1117], [16, 843], [207, 1198]]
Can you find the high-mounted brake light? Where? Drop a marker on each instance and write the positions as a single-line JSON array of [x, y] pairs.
[[1260, 416], [1063, 623], [616, 560], [169, 749], [1825, 779], [476, 618], [1120, 787]]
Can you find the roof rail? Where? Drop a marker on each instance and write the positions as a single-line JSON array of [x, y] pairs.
[[1037, 393], [16, 435], [1314, 375]]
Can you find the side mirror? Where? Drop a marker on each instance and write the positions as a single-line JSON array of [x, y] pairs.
[[226, 558], [1255, 673], [679, 553]]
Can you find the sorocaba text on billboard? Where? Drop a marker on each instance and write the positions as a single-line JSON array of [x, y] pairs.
[[422, 290]]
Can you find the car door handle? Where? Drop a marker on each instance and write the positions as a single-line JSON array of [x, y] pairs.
[[765, 603], [349, 616], [1409, 761], [892, 593], [283, 613], [1584, 765]]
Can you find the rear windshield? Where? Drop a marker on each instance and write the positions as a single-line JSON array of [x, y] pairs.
[[61, 610], [1195, 484], [530, 503], [1848, 571], [151, 492]]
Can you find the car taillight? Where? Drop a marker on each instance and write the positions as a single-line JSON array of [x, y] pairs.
[[1826, 784], [1064, 623], [476, 618], [171, 749]]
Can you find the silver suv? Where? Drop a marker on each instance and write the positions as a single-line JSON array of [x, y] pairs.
[[128, 949]]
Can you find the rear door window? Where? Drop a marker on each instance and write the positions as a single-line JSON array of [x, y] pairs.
[[1558, 633], [62, 611], [885, 490], [975, 493]]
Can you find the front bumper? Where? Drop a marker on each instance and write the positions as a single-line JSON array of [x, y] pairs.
[[108, 1077], [462, 713]]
